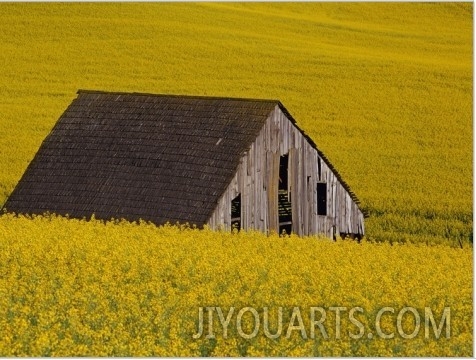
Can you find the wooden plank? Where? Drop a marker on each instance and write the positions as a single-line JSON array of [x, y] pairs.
[[272, 194], [335, 221], [305, 198], [243, 192], [299, 200], [248, 201]]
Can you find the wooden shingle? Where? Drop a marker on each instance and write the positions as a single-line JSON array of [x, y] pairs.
[[155, 157]]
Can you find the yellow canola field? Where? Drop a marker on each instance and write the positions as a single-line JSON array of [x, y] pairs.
[[71, 288], [384, 89]]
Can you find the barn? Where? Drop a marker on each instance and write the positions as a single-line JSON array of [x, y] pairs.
[[221, 162]]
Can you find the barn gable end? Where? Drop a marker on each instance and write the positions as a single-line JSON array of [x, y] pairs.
[[197, 160], [257, 182]]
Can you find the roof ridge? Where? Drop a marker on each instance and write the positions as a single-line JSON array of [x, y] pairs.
[[89, 91], [274, 102]]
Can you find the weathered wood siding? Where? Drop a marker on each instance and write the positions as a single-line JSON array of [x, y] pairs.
[[257, 179]]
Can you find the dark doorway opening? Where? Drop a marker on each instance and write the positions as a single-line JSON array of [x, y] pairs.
[[284, 197], [236, 213], [321, 199]]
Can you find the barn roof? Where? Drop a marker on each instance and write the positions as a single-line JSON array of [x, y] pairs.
[[141, 156]]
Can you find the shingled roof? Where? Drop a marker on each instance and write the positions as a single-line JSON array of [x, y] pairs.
[[141, 156]]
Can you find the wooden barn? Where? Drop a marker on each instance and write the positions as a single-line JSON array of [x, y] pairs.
[[200, 160]]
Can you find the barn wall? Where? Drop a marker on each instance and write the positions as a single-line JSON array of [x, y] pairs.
[[257, 181]]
